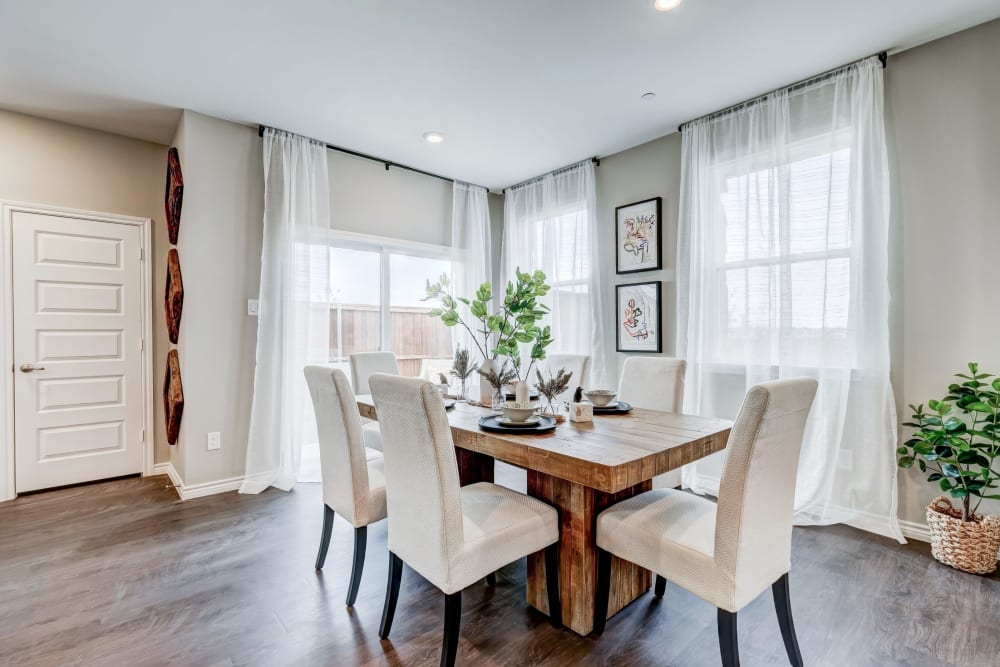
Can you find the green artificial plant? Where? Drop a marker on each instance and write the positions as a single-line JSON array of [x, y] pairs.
[[957, 440], [500, 333]]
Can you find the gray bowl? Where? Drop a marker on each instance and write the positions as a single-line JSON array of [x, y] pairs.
[[600, 397]]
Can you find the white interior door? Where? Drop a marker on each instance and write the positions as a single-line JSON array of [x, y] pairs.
[[78, 395]]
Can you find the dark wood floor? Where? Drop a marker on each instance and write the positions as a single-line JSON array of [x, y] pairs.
[[123, 573]]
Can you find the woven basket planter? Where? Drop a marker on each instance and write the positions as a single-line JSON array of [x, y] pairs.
[[970, 546]]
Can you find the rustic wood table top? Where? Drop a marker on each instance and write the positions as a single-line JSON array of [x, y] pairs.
[[610, 454]]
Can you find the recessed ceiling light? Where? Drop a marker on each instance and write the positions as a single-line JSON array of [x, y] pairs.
[[433, 137], [666, 5], [648, 96]]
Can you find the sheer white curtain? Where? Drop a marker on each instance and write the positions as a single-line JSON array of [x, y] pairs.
[[550, 223], [471, 238], [294, 322], [783, 271]]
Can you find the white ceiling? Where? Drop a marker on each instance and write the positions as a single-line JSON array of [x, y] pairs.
[[518, 87]]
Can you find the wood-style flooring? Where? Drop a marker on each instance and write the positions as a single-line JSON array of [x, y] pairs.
[[122, 573]]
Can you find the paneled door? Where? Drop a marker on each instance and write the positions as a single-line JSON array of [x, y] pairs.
[[78, 373]]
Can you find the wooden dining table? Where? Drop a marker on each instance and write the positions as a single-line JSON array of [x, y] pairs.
[[581, 468]]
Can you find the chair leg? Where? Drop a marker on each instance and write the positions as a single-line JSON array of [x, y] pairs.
[[603, 591], [783, 606], [452, 624], [491, 579], [661, 586], [728, 645], [360, 542], [552, 584], [391, 594], [324, 540]]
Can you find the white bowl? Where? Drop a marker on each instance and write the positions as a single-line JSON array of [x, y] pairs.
[[600, 397], [518, 412]]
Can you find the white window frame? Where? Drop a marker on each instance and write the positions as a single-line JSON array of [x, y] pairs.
[[813, 146], [385, 247]]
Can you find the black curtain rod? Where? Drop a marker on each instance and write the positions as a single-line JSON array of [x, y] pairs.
[[882, 56], [387, 163], [596, 160]]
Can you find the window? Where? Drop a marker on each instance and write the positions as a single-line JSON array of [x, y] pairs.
[[786, 260], [376, 292]]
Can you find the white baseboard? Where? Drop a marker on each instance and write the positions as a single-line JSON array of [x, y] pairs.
[[189, 491], [915, 531]]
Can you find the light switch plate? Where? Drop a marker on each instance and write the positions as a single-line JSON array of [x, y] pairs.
[[253, 307], [215, 440]]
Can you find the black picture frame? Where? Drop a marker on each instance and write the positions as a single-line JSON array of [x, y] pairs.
[[656, 336], [656, 246]]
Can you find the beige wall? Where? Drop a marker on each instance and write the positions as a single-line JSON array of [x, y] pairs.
[[943, 109], [45, 162], [650, 170], [399, 204], [219, 247], [943, 114]]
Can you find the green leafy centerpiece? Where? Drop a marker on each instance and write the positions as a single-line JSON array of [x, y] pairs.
[[499, 334]]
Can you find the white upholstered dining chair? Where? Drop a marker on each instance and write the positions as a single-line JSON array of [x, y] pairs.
[[578, 364], [654, 383], [728, 552], [353, 477], [363, 364], [451, 535]]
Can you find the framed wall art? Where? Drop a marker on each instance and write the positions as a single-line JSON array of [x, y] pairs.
[[638, 317], [638, 241]]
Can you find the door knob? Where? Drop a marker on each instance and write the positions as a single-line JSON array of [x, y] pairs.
[[29, 368]]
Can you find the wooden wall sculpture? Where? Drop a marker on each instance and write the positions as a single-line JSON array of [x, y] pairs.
[[173, 397], [174, 196], [173, 297]]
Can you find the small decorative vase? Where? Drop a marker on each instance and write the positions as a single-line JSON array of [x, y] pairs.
[[486, 390], [497, 400], [521, 393], [461, 398]]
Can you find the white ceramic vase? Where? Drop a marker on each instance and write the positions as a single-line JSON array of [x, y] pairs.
[[485, 388]]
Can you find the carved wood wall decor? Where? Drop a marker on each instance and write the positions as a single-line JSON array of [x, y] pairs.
[[173, 297], [173, 397], [174, 196]]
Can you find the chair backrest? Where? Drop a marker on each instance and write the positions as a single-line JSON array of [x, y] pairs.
[[653, 383], [421, 475], [577, 364], [753, 535], [341, 445], [363, 364]]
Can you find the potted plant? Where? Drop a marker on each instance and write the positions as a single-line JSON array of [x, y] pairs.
[[956, 443], [500, 333]]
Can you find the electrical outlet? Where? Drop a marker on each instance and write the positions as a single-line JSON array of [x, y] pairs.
[[253, 307], [215, 440]]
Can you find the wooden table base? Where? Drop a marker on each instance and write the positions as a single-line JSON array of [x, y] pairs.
[[578, 507]]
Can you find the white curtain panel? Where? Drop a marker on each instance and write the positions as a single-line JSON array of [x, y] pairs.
[[550, 223], [783, 272], [471, 239], [293, 329]]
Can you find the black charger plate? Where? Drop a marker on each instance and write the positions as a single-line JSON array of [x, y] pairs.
[[491, 425], [622, 408]]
